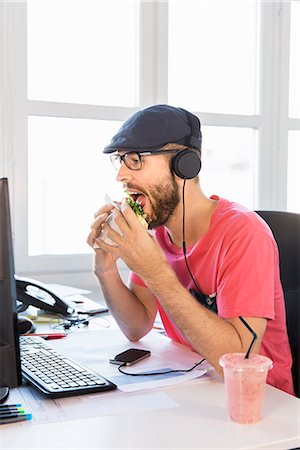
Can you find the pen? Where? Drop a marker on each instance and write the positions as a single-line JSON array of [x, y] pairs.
[[11, 411], [11, 405], [48, 336], [16, 419], [11, 416]]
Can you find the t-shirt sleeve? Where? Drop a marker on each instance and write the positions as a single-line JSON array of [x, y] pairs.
[[134, 278], [245, 284]]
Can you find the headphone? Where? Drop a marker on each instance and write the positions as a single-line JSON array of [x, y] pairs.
[[186, 163]]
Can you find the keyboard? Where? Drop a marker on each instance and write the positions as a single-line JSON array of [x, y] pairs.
[[56, 375]]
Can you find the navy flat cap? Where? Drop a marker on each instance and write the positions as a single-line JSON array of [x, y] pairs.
[[153, 127]]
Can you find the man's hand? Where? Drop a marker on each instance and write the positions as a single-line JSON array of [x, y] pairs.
[[104, 261], [135, 246]]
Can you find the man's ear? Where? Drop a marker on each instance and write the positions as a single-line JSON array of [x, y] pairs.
[[186, 164]]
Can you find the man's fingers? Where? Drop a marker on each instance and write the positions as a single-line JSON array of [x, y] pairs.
[[91, 238], [130, 216], [99, 219], [104, 209], [107, 248], [107, 231]]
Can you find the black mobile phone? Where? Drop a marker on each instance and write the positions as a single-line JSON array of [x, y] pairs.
[[131, 356]]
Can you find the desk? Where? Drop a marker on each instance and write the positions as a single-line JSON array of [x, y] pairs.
[[198, 421]]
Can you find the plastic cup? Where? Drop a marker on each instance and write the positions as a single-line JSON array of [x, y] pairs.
[[245, 380]]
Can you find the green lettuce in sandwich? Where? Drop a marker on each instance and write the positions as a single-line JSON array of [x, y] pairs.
[[138, 210]]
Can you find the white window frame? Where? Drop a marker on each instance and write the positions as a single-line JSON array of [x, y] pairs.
[[272, 122]]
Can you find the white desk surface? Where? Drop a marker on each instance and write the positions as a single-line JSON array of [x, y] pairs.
[[198, 422]]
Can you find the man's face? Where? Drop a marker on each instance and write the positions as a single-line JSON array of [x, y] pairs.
[[153, 186], [163, 199]]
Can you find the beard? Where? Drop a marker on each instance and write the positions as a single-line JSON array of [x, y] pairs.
[[163, 198]]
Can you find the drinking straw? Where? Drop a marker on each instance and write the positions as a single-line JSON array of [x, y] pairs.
[[253, 334]]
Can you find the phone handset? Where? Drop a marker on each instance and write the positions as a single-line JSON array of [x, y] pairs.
[[33, 292]]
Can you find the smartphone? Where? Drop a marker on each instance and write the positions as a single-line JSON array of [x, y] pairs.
[[131, 356]]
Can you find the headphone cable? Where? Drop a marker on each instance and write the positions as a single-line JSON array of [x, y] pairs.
[[183, 237]]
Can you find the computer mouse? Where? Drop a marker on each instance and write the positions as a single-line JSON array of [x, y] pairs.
[[26, 325]]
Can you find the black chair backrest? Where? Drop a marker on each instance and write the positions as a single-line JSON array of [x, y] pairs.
[[286, 230]]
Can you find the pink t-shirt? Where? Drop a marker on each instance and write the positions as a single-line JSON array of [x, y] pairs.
[[237, 258]]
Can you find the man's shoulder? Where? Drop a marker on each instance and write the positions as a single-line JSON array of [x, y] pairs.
[[235, 217]]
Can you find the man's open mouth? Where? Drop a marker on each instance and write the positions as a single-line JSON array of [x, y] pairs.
[[138, 197]]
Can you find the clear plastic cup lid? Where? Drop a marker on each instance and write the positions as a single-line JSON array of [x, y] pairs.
[[239, 362]]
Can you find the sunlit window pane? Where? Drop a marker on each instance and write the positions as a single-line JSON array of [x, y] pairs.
[[212, 55], [82, 51], [68, 179], [293, 187], [228, 164], [294, 109]]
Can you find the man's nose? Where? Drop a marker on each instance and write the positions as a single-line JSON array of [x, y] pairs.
[[124, 173]]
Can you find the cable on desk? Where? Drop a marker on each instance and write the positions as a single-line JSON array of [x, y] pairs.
[[70, 323], [143, 374]]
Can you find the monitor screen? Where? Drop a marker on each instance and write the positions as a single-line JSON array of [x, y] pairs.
[[10, 367]]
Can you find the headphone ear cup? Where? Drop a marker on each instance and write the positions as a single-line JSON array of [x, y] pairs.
[[186, 164]]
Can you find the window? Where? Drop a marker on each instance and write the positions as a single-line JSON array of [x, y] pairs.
[[213, 68], [293, 187], [82, 51], [75, 70], [213, 55], [228, 163], [68, 178], [293, 164], [294, 91]]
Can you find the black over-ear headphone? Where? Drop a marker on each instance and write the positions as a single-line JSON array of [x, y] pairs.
[[187, 162]]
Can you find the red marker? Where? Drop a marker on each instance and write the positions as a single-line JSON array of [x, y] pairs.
[[48, 336]]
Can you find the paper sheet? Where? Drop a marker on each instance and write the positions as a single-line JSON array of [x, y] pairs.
[[94, 348], [132, 384], [65, 291], [165, 355], [83, 406]]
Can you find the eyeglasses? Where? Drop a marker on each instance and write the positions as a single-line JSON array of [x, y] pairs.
[[134, 160]]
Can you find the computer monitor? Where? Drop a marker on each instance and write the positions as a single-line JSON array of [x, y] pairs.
[[10, 366]]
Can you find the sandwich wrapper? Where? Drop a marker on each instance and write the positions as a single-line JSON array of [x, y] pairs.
[[111, 221]]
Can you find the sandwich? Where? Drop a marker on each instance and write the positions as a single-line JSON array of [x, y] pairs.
[[138, 210]]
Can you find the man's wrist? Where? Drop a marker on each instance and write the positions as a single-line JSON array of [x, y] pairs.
[[105, 274]]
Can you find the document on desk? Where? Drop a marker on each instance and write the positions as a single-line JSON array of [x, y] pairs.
[[84, 406], [65, 291], [165, 356], [94, 349]]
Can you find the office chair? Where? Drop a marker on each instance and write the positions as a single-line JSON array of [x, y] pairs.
[[286, 230]]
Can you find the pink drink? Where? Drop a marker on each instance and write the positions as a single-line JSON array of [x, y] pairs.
[[245, 381]]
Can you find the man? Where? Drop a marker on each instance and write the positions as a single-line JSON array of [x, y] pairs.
[[210, 261]]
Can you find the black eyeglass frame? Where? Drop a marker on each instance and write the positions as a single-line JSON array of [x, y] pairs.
[[122, 158]]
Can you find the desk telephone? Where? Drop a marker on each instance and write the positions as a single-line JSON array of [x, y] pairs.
[[32, 292]]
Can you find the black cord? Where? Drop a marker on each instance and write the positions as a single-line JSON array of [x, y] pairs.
[[69, 322], [183, 238], [195, 283], [158, 373]]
